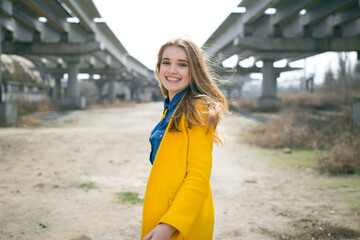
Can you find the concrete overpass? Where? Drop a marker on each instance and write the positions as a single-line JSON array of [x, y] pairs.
[[271, 30], [67, 36]]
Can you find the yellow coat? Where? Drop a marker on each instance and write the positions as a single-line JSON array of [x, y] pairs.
[[178, 191]]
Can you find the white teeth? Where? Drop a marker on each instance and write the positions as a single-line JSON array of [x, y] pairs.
[[172, 79]]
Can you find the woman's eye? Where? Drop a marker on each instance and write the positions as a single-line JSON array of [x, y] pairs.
[[183, 65], [165, 62]]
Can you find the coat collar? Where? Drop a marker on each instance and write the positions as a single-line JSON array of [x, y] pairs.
[[170, 105]]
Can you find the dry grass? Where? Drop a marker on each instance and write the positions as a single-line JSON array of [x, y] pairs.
[[245, 105], [319, 121], [289, 129], [26, 107], [107, 104], [342, 156], [27, 112], [28, 121]]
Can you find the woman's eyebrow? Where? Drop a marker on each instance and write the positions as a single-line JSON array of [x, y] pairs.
[[180, 60]]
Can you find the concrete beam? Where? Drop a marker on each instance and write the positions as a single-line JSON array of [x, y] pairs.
[[257, 10], [65, 31], [6, 7], [51, 48], [82, 11], [324, 18], [289, 10], [325, 28], [42, 30], [51, 61], [345, 17], [18, 32], [351, 29], [90, 70], [114, 49], [93, 62], [296, 57], [262, 28], [299, 44], [79, 9], [317, 14], [43, 10], [77, 34], [106, 59], [234, 26], [229, 50], [254, 69], [137, 67], [293, 28], [331, 26], [25, 20], [245, 54], [113, 46], [225, 34], [273, 55], [104, 71]]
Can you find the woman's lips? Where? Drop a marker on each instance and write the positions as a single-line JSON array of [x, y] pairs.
[[173, 79]]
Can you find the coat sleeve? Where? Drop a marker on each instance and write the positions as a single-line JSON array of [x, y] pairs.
[[195, 188]]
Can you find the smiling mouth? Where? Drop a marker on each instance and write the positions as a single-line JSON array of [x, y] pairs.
[[173, 79]]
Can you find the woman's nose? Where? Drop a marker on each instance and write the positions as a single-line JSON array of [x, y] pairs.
[[172, 68]]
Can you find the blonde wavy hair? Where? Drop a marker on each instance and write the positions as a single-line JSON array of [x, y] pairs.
[[202, 89]]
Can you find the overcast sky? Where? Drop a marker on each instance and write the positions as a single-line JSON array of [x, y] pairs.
[[142, 26]]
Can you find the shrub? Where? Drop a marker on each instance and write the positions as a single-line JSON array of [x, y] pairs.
[[324, 123], [341, 156], [289, 129]]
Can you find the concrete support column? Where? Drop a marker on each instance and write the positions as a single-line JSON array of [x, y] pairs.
[[111, 91], [100, 87], [135, 93], [269, 80], [73, 99], [58, 87], [134, 88], [73, 84], [0, 64], [126, 89], [268, 97], [8, 110]]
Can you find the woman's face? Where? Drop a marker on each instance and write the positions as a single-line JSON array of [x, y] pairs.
[[174, 70]]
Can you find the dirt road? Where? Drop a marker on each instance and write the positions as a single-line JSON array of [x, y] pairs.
[[60, 180]]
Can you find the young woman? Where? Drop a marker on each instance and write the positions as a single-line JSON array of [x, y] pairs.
[[178, 201]]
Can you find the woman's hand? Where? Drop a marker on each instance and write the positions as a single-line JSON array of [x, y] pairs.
[[162, 231]]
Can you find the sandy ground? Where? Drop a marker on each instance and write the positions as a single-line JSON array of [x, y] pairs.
[[42, 167]]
